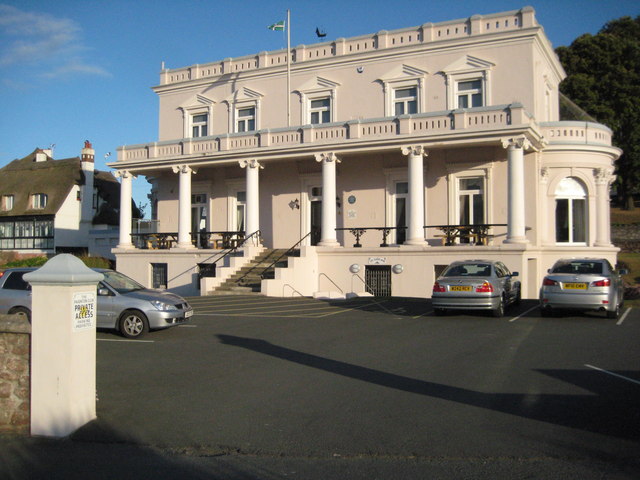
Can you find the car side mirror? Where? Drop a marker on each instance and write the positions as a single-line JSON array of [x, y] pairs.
[[623, 271], [515, 274], [103, 292]]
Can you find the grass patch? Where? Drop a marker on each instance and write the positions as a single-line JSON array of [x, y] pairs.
[[625, 217], [630, 261]]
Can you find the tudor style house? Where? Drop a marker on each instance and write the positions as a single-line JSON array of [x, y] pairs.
[[380, 158], [53, 206]]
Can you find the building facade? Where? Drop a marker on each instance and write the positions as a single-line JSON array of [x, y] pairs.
[[53, 206], [388, 154]]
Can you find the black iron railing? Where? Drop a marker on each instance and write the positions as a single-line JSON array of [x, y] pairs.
[[358, 232]]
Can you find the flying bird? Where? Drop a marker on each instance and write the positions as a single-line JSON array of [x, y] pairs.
[[320, 34]]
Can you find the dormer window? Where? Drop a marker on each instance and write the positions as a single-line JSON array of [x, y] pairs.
[[7, 203], [38, 200]]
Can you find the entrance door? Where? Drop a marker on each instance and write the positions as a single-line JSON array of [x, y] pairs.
[[199, 222], [378, 280]]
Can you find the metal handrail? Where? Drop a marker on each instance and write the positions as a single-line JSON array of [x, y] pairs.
[[285, 254], [321, 274], [230, 250]]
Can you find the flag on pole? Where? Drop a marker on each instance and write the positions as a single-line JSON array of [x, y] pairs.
[[277, 27]]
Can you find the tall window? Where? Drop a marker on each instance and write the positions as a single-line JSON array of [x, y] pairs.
[[7, 202], [406, 100], [39, 200], [246, 120], [320, 111], [199, 125], [571, 212], [470, 93], [471, 200], [241, 211], [401, 199]]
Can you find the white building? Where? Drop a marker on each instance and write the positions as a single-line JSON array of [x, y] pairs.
[[440, 142]]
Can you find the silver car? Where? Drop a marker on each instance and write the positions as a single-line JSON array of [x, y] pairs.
[[582, 284], [476, 285], [123, 304]]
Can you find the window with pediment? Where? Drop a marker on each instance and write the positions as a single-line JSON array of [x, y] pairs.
[[404, 91], [468, 83]]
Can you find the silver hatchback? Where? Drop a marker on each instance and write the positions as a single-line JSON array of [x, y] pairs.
[[582, 284], [123, 304], [476, 285]]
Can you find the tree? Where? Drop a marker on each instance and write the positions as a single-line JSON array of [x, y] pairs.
[[603, 78]]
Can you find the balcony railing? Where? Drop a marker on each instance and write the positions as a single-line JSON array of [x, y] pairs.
[[422, 125], [207, 240]]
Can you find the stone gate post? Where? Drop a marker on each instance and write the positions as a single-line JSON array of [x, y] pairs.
[[63, 346]]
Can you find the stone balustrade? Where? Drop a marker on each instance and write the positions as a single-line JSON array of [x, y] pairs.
[[427, 33], [422, 124]]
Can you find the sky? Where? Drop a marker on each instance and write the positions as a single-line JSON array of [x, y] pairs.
[[76, 70]]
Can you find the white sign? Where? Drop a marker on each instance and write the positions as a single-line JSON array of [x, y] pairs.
[[84, 311], [377, 260]]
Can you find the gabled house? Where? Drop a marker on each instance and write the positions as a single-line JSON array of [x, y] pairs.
[[382, 158], [51, 206]]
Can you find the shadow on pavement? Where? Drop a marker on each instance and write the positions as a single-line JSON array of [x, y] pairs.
[[611, 409]]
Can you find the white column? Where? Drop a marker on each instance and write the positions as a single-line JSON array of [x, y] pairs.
[[516, 198], [415, 223], [603, 179], [184, 207], [253, 195], [328, 234], [125, 208]]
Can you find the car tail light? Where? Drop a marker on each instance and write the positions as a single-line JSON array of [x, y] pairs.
[[486, 287], [547, 282], [438, 288], [605, 282], [1, 274]]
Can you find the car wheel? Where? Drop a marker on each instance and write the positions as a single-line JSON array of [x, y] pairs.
[[614, 313], [440, 311], [133, 324], [499, 311], [22, 311], [518, 297]]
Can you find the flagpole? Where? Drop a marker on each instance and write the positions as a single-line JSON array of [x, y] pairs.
[[288, 68]]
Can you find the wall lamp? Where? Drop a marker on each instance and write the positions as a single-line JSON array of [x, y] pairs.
[[294, 204]]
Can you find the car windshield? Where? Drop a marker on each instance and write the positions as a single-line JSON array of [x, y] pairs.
[[468, 270], [578, 267], [120, 283]]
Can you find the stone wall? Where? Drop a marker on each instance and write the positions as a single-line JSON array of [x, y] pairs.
[[15, 359]]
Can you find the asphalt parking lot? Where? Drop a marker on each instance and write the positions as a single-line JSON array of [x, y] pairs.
[[256, 387]]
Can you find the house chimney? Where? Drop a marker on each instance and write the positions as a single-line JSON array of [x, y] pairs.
[[87, 165]]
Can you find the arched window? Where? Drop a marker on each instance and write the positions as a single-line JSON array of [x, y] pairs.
[[571, 211]]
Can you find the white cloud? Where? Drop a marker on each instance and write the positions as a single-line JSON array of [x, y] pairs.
[[42, 40]]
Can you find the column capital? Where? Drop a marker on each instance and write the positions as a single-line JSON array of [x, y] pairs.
[[253, 163], [123, 174], [516, 142], [414, 150], [603, 176], [183, 169], [327, 157]]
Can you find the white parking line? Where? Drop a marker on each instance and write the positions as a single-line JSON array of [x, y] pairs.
[[123, 340], [624, 315], [423, 314], [613, 374], [523, 314]]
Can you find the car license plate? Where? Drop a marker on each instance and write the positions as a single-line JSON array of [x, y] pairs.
[[188, 313], [575, 286], [460, 288]]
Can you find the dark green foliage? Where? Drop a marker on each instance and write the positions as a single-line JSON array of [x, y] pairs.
[[604, 80]]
